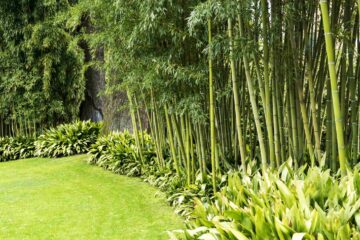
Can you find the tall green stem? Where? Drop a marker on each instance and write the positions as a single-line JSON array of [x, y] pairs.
[[212, 110], [253, 103], [236, 97], [334, 88], [268, 118]]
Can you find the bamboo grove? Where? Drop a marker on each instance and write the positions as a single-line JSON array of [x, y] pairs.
[[282, 82], [221, 83], [41, 71]]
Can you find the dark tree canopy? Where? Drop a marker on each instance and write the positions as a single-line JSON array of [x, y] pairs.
[[41, 68]]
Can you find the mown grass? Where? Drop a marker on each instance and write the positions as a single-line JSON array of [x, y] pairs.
[[68, 199]]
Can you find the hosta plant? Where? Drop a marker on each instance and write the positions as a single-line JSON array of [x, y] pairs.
[[68, 139]]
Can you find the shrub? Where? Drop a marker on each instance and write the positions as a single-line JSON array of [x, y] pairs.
[[14, 148], [68, 139], [280, 205], [118, 153]]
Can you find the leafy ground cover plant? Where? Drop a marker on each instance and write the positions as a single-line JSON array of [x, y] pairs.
[[116, 152], [68, 139], [282, 204], [14, 148]]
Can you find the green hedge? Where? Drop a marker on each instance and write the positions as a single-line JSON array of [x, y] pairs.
[[67, 139]]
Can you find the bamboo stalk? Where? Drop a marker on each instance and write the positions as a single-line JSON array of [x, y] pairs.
[[236, 98], [254, 104], [334, 89], [268, 110], [135, 128], [212, 110], [171, 141]]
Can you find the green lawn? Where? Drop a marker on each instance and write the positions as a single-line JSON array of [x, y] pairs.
[[68, 199]]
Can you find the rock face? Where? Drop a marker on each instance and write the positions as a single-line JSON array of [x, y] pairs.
[[99, 107], [116, 116], [91, 108], [111, 109]]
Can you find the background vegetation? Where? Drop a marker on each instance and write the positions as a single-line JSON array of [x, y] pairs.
[[41, 67], [224, 82], [217, 83]]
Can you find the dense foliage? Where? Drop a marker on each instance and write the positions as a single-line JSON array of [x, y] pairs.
[[41, 67], [220, 83], [286, 204], [67, 139], [117, 152], [14, 148], [64, 140]]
